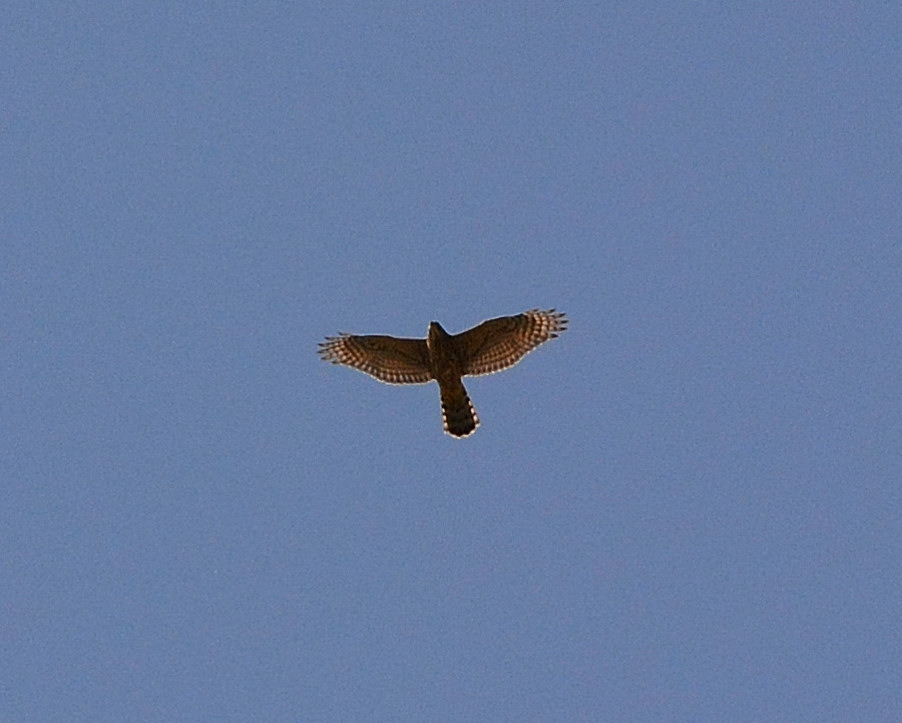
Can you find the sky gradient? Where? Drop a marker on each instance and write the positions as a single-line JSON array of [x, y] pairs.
[[687, 507]]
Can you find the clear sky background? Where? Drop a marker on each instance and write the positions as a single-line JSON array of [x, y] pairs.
[[687, 507]]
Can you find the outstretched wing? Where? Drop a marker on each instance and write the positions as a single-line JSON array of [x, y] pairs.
[[387, 358], [500, 343]]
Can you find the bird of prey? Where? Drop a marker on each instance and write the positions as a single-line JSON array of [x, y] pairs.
[[490, 347]]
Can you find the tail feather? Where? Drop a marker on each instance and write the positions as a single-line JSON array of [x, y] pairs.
[[458, 413]]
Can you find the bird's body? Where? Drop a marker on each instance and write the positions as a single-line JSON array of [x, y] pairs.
[[490, 347], [446, 364]]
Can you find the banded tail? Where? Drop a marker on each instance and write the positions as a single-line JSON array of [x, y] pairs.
[[458, 413]]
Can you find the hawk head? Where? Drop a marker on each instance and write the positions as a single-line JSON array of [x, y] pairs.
[[435, 335]]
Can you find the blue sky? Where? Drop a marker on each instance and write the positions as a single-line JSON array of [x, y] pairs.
[[687, 507]]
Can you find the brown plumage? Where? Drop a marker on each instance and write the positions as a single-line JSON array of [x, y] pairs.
[[490, 347]]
